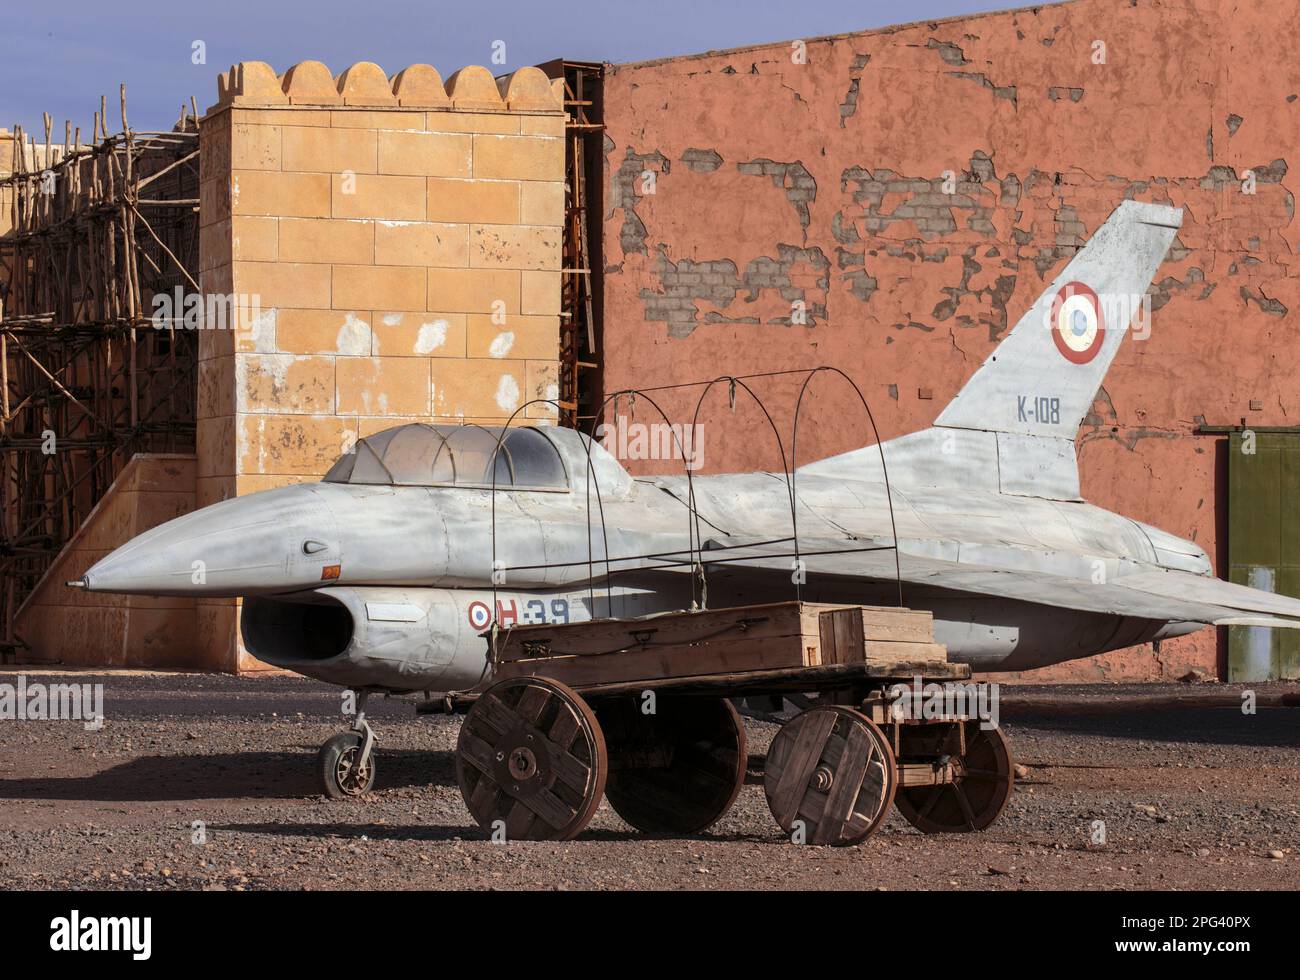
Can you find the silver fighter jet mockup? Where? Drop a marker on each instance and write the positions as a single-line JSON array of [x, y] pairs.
[[385, 575]]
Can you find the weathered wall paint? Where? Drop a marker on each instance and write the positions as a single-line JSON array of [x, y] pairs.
[[776, 182]]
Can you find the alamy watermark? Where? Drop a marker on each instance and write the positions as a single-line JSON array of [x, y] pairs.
[[206, 311], [1080, 310], [921, 701], [654, 440], [25, 701], [73, 933]]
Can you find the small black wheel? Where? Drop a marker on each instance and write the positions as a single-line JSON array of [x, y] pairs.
[[337, 762]]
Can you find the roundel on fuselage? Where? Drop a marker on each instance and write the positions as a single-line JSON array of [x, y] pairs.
[[1078, 326]]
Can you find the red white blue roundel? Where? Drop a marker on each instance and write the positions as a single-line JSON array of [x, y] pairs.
[[479, 615], [1078, 326]]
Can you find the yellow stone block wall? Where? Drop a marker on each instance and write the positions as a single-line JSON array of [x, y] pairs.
[[402, 238]]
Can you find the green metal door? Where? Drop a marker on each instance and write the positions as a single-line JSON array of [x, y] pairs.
[[1264, 546]]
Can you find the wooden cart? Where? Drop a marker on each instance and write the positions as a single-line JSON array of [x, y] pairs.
[[639, 711]]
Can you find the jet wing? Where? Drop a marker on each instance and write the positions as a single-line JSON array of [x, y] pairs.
[[1199, 588], [1161, 595]]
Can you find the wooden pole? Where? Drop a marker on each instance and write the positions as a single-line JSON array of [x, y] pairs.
[[74, 357]]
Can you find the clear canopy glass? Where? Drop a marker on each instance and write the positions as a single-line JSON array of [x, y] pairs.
[[421, 455]]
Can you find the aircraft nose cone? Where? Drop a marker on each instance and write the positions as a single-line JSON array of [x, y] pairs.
[[273, 541]]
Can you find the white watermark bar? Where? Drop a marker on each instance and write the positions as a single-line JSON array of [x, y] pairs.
[[23, 701], [627, 440], [928, 701], [206, 311]]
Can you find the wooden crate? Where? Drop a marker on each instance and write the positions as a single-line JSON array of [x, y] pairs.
[[712, 642]]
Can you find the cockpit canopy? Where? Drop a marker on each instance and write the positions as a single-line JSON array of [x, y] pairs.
[[421, 455]]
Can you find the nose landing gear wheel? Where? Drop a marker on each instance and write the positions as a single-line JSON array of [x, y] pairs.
[[832, 769], [677, 771], [338, 763], [982, 782], [531, 760]]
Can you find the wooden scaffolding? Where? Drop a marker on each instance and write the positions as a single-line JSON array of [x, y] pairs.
[[580, 298], [94, 370]]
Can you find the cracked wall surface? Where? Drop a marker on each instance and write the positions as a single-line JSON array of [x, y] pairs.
[[915, 188]]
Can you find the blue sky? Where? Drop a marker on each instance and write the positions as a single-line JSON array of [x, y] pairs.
[[60, 57]]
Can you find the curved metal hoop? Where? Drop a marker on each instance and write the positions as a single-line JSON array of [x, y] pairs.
[[694, 533], [697, 542], [686, 470], [591, 595], [889, 497]]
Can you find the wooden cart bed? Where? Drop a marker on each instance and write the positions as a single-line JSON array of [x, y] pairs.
[[745, 650]]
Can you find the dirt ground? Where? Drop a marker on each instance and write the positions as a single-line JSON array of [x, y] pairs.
[[1193, 797]]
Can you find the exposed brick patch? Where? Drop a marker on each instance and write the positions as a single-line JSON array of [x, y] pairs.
[[799, 185], [882, 199], [1069, 229], [997, 294], [1058, 92], [683, 283], [949, 52], [914, 251], [923, 202], [1163, 290], [701, 161], [1047, 257], [1266, 303], [845, 234], [850, 104], [1007, 92], [888, 216], [862, 284], [1270, 173], [796, 274], [1177, 251], [1102, 411], [1266, 173], [1069, 234], [910, 325], [625, 192], [849, 107]]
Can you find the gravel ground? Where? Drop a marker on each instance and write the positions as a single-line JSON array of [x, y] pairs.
[[1192, 798]]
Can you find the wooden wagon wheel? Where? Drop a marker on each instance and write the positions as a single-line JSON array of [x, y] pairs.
[[531, 760], [678, 770], [982, 781], [833, 769]]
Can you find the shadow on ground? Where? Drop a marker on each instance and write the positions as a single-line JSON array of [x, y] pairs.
[[251, 775], [435, 832], [1268, 727]]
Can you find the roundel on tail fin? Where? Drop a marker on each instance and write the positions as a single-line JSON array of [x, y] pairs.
[[1078, 326]]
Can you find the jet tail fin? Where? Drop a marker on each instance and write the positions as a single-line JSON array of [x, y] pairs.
[[1012, 427], [1042, 379]]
